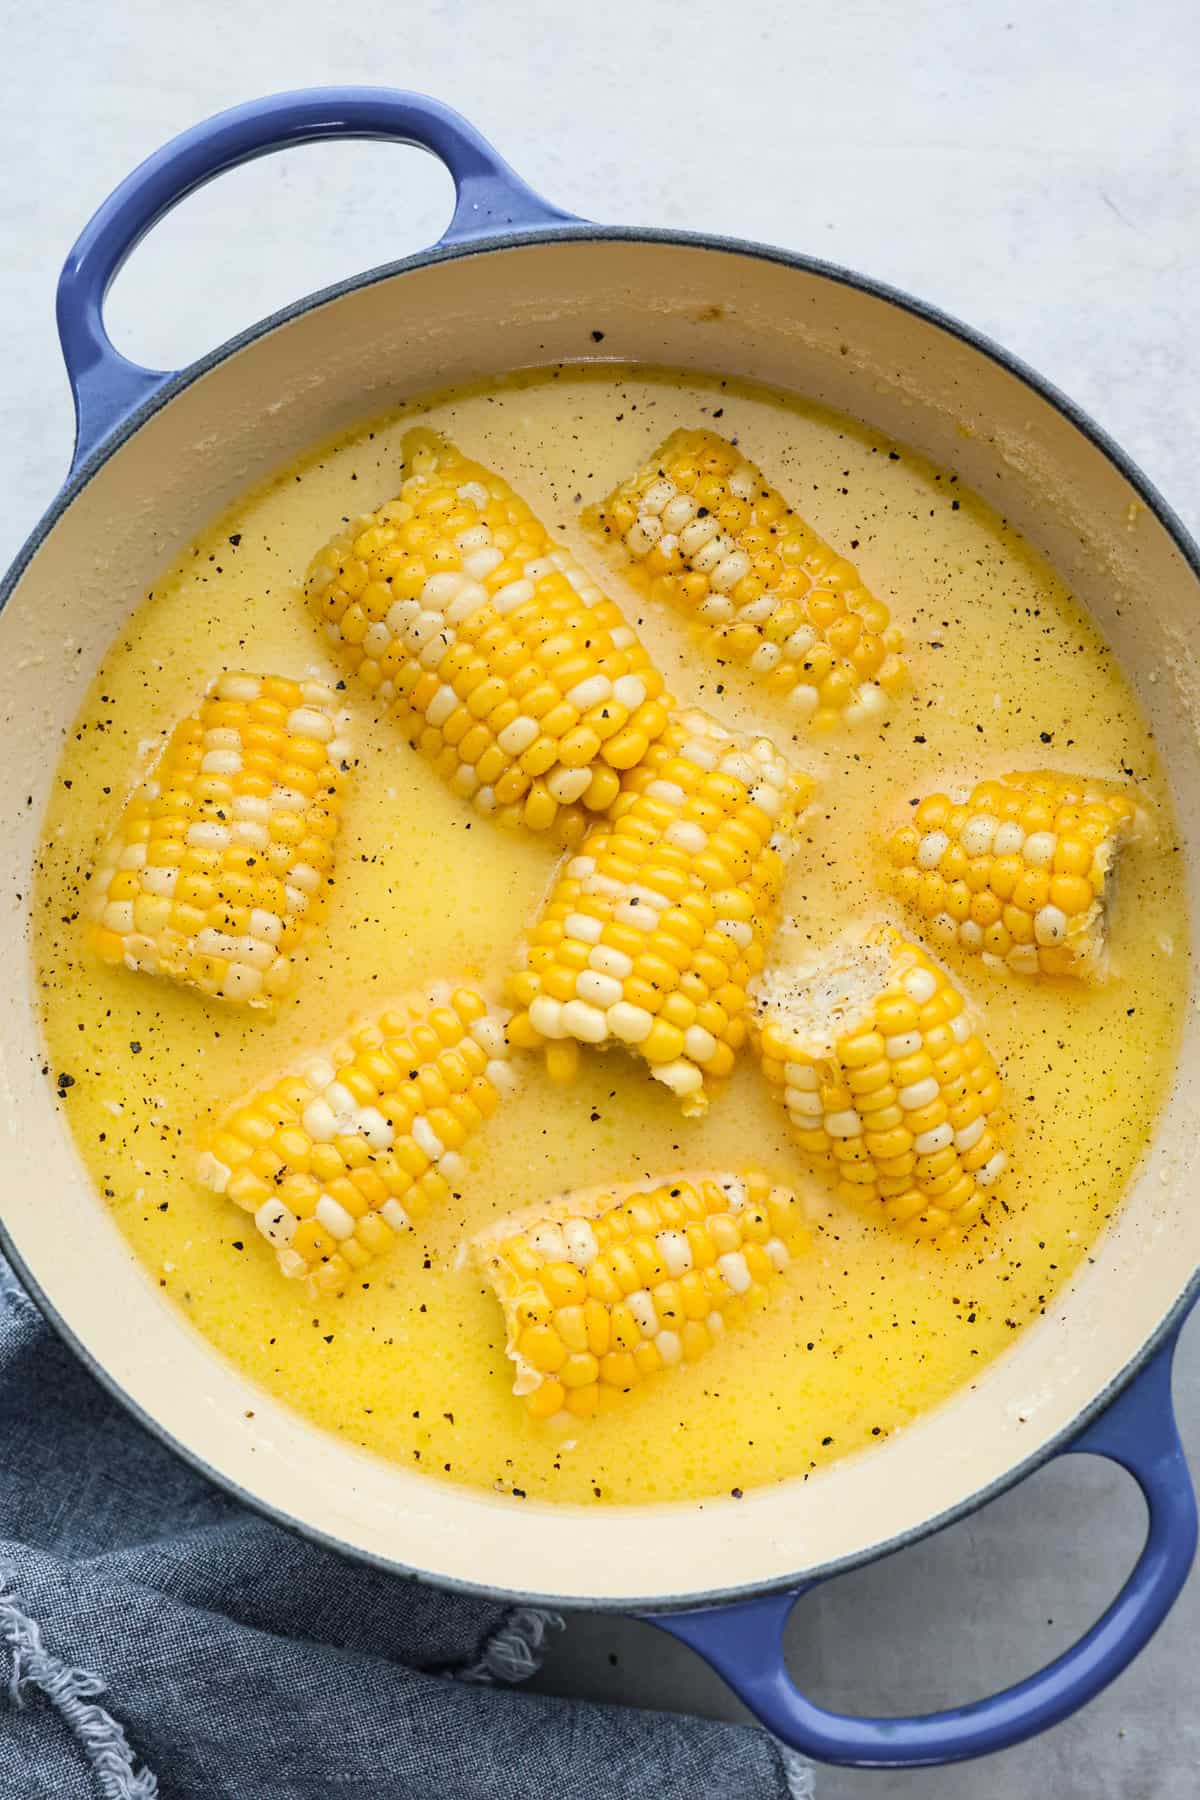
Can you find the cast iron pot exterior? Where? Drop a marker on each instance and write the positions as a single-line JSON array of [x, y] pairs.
[[516, 282]]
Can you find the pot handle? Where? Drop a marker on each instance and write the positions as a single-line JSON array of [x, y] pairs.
[[743, 1641], [107, 387]]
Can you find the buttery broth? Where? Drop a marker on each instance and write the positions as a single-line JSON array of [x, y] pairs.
[[869, 1329]]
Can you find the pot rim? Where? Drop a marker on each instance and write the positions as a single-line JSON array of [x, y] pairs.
[[175, 384]]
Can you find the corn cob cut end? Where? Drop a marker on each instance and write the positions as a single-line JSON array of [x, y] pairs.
[[512, 673], [605, 1287], [337, 1158], [655, 927], [703, 531], [1019, 870], [885, 1082], [220, 861]]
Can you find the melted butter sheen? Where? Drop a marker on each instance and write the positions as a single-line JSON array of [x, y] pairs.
[[869, 1331]]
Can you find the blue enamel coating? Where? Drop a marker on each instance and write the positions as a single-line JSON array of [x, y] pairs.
[[741, 1639], [744, 1641], [107, 387]]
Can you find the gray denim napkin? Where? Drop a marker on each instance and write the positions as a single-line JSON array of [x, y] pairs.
[[156, 1639]]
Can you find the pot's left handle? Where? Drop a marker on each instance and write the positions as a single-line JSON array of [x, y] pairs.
[[744, 1640], [107, 387]]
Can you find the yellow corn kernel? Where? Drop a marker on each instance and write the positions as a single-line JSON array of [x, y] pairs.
[[566, 1349]]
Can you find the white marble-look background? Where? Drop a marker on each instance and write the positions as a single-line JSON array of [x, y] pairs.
[[1031, 167]]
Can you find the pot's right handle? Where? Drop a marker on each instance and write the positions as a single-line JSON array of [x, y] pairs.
[[107, 387], [744, 1641]]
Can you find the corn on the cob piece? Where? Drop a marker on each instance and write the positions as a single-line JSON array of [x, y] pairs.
[[1017, 869], [604, 1288], [516, 677], [657, 924], [885, 1082], [337, 1158], [221, 857], [707, 534]]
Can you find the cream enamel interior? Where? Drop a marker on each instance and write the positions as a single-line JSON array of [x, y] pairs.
[[448, 322]]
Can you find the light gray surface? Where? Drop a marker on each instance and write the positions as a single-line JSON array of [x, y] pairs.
[[1034, 169]]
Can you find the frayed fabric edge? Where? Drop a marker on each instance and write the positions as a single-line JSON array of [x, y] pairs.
[[12, 1291], [799, 1774], [514, 1650], [72, 1693]]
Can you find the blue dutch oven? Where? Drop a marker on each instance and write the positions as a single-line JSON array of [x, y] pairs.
[[514, 282]]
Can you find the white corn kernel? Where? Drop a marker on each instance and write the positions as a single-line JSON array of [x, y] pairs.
[[977, 835], [734, 1271], [238, 687], [511, 595], [516, 738], [319, 1121], [695, 536], [211, 1172], [629, 690], [677, 512], [681, 1077], [334, 1217], [631, 1024], [480, 563], [489, 1035], [587, 1023], [591, 692], [645, 1315], [307, 722], [729, 571], [714, 552], [675, 1251], [580, 1242], [969, 1136], [1050, 924], [609, 961], [642, 536], [276, 1223], [601, 990], [804, 1105], [548, 1240], [545, 1015], [445, 701], [569, 785], [931, 849], [686, 836], [657, 496], [1038, 849], [502, 1076], [426, 1138]]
